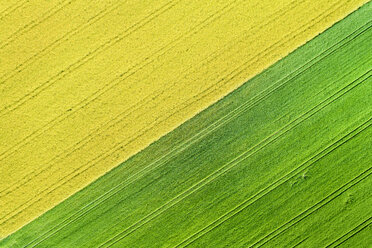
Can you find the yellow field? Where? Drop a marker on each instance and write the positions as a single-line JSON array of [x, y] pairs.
[[86, 84]]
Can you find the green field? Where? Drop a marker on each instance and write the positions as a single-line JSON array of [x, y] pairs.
[[283, 161]]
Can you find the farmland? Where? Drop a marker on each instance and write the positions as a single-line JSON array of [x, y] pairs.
[[86, 85], [283, 161]]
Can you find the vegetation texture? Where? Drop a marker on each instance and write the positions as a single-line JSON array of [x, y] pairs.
[[84, 85], [283, 161]]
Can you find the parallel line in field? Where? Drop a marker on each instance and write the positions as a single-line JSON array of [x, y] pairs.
[[117, 148], [226, 167], [36, 22], [351, 233], [20, 67], [182, 146], [86, 58], [119, 117], [12, 8], [299, 243], [302, 167], [280, 230]]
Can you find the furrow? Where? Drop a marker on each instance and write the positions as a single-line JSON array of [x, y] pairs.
[[299, 243], [12, 8], [351, 233], [35, 23]]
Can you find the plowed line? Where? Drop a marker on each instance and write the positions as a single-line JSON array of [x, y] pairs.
[[12, 8], [299, 243], [351, 233], [36, 22]]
